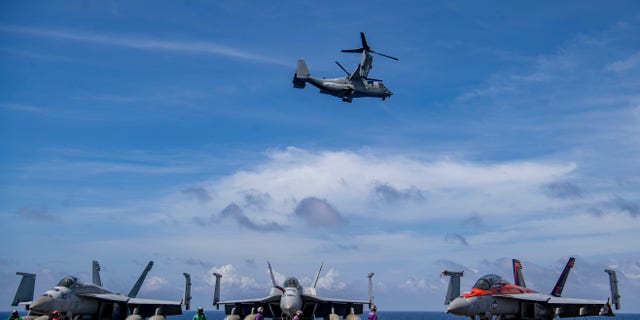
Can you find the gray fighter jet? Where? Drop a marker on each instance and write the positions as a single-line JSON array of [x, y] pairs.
[[76, 300], [356, 84], [493, 296], [283, 302]]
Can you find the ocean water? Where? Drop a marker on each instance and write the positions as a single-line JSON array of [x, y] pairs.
[[382, 315]]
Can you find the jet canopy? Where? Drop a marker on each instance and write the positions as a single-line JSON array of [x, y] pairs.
[[67, 282], [490, 281], [291, 282]]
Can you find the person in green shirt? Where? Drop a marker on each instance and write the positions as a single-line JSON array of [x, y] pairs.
[[15, 316], [199, 315]]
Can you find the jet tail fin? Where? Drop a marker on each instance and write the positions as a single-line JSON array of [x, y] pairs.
[[216, 293], [518, 278], [96, 273], [557, 289], [301, 75], [453, 291], [25, 289], [136, 287], [186, 300], [613, 284]]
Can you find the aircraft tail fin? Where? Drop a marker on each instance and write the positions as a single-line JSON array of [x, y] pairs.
[[370, 276], [136, 287], [613, 284], [301, 75], [453, 291], [557, 289], [25, 289], [216, 293], [186, 300], [96, 273], [518, 278]]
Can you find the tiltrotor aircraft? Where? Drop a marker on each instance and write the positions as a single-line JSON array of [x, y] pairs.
[[79, 300], [356, 84], [493, 296], [283, 302]]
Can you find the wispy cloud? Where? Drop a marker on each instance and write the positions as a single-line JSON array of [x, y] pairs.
[[38, 214], [140, 43]]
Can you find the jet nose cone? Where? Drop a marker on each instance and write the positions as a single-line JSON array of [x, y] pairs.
[[290, 305], [459, 306], [42, 304]]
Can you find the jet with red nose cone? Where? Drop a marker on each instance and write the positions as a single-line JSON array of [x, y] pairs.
[[493, 296]]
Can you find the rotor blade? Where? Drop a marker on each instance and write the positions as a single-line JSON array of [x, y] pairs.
[[341, 67], [384, 55], [365, 46]]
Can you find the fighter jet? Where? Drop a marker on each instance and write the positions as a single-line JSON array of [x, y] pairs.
[[76, 300], [356, 84], [283, 302], [494, 296]]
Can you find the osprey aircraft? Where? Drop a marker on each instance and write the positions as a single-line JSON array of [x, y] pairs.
[[356, 84], [494, 296], [76, 300], [284, 301]]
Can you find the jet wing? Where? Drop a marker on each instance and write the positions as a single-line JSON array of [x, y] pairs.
[[324, 306], [271, 305], [146, 307], [565, 307]]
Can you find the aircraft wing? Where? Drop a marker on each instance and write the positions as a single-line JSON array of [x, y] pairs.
[[146, 307], [566, 307], [271, 305], [324, 306]]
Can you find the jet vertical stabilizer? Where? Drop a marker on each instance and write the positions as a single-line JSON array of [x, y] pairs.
[[518, 278], [216, 293], [136, 287], [96, 273], [25, 289], [186, 300], [613, 284], [557, 289], [301, 75], [453, 291]]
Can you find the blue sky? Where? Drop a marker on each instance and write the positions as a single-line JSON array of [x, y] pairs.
[[169, 131]]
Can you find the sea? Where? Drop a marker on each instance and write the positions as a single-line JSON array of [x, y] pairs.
[[382, 315]]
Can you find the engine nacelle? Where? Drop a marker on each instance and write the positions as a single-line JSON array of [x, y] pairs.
[[134, 317], [250, 316], [334, 316], [232, 317], [352, 316]]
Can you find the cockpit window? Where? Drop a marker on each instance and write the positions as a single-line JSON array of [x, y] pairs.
[[490, 281], [67, 282], [291, 282]]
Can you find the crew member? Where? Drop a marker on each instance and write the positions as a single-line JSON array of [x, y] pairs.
[[200, 314], [298, 315], [259, 315], [15, 316], [372, 313], [55, 315]]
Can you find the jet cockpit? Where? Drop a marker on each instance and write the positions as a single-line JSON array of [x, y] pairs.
[[490, 281], [67, 282]]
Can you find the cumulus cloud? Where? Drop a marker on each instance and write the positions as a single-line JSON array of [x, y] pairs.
[[319, 212], [456, 238], [154, 283], [199, 193], [389, 194], [562, 190], [623, 205], [235, 213], [256, 199], [38, 214], [329, 281]]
